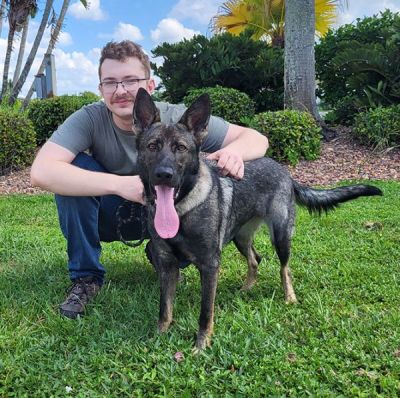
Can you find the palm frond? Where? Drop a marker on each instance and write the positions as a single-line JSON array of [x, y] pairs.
[[326, 12], [266, 18], [233, 17], [359, 58], [238, 15]]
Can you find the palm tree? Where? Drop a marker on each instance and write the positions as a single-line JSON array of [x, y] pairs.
[[21, 80], [53, 40], [18, 12], [266, 18], [299, 74], [3, 9], [21, 50]]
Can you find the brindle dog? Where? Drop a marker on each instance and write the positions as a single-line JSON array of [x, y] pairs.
[[193, 211]]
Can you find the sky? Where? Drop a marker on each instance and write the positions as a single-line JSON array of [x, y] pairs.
[[148, 23]]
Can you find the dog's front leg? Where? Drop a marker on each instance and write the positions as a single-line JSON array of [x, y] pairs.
[[209, 279], [168, 276]]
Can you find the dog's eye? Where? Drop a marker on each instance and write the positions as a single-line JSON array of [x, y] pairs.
[[181, 148], [152, 146]]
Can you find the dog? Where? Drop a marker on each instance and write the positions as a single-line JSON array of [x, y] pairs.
[[193, 212]]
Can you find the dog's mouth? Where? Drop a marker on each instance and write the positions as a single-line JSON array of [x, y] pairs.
[[166, 220]]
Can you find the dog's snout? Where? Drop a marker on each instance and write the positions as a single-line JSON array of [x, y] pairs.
[[164, 173]]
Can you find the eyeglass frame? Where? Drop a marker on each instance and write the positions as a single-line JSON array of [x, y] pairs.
[[136, 81]]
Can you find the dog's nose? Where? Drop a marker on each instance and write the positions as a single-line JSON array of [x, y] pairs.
[[164, 173]]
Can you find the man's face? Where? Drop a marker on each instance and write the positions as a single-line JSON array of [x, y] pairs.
[[120, 100]]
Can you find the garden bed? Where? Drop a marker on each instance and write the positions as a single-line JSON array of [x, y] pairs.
[[341, 159]]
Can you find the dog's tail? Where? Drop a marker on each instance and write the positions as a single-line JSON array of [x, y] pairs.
[[318, 200]]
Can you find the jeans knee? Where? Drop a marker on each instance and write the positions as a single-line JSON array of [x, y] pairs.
[[87, 162]]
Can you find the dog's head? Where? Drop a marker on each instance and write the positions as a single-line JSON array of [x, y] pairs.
[[168, 156]]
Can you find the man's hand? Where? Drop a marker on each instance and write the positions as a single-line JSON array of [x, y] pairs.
[[131, 188], [240, 144], [229, 162]]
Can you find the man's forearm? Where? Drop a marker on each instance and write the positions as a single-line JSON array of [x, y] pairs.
[[250, 144], [52, 170], [66, 179]]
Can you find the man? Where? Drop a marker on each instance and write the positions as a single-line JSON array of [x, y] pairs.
[[90, 188]]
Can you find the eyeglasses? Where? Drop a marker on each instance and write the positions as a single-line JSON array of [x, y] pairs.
[[129, 84]]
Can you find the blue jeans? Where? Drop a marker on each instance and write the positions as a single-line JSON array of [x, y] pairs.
[[87, 220]]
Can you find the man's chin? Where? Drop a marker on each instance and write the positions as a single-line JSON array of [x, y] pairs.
[[122, 111]]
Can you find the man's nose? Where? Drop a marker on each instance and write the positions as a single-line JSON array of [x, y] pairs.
[[120, 88]]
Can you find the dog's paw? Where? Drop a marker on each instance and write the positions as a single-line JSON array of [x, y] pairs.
[[290, 299], [163, 326], [247, 285], [196, 351], [202, 342]]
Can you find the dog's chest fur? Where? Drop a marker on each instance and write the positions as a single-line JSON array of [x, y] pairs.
[[204, 213]]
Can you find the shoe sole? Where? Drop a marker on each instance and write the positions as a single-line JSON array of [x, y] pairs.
[[71, 314]]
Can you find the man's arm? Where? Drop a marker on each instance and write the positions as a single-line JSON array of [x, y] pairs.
[[52, 171], [240, 144]]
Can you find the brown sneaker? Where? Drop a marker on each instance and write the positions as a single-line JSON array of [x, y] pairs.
[[79, 294]]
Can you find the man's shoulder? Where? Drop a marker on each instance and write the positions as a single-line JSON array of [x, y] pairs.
[[95, 113], [88, 117]]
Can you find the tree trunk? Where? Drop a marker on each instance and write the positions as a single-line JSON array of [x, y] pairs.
[[21, 51], [299, 72], [2, 14], [52, 43], [7, 60], [24, 74]]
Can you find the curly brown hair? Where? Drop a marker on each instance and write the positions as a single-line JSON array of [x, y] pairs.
[[122, 50]]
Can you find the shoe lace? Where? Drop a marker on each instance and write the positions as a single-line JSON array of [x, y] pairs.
[[77, 290]]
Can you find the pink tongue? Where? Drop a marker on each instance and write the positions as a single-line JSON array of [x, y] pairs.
[[166, 220]]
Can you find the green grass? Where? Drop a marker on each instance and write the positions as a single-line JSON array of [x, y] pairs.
[[341, 340]]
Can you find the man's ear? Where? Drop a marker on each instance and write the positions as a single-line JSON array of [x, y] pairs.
[[197, 116], [145, 112]]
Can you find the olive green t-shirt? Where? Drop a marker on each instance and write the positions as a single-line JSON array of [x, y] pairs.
[[92, 129]]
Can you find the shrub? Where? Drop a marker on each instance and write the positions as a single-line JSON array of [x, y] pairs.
[[5, 105], [344, 113], [17, 140], [228, 103], [292, 135], [361, 61], [379, 127], [87, 97], [250, 66], [48, 114]]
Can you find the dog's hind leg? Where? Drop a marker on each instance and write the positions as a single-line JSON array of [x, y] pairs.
[[286, 277], [253, 259], [244, 243], [281, 231]]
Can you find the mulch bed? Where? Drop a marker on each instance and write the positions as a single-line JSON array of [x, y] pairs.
[[341, 159], [346, 159]]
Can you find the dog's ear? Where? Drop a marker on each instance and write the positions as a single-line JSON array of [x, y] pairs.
[[197, 116], [145, 112]]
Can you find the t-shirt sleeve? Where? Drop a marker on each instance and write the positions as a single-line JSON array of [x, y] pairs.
[[75, 133], [217, 127]]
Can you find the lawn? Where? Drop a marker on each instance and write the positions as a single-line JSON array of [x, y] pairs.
[[341, 340]]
